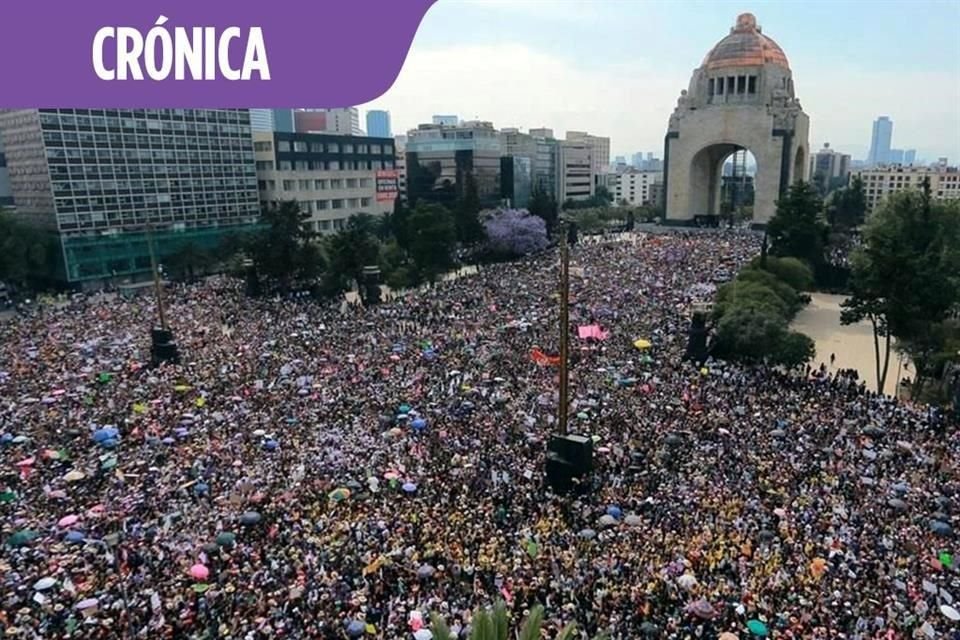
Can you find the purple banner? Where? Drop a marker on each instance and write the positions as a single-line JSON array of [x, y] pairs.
[[203, 53]]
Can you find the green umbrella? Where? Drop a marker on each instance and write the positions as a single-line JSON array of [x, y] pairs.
[[404, 408], [533, 549], [20, 538], [7, 496], [339, 494], [226, 538], [757, 628], [946, 559], [200, 587], [104, 377], [109, 463]]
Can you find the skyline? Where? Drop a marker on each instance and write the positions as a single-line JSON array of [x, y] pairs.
[[604, 67]]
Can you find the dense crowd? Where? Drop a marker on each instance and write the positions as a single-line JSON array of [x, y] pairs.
[[318, 471]]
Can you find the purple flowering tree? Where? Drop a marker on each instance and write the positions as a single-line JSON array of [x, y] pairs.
[[515, 232]]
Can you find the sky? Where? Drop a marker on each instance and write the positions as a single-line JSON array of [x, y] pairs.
[[616, 67]]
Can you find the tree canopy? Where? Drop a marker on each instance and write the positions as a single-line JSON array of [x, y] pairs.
[[284, 251], [432, 238], [797, 229]]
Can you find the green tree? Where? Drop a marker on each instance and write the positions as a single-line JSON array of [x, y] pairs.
[[603, 196], [285, 250], [354, 248], [906, 276], [543, 205], [398, 223], [495, 625], [190, 261], [792, 271], [848, 206], [467, 212], [27, 254], [797, 228], [432, 236], [794, 350], [750, 333]]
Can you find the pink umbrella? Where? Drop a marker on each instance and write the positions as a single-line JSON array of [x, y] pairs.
[[199, 572], [66, 521], [391, 475], [27, 462]]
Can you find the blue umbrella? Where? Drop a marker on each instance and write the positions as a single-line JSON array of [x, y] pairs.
[[168, 440], [940, 528], [201, 488], [291, 420], [404, 408], [356, 628], [615, 511], [181, 432], [75, 537], [105, 433], [250, 517], [409, 487], [108, 444], [271, 445], [418, 424], [6, 438]]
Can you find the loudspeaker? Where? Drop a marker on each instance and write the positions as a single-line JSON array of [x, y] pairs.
[[371, 285], [161, 336], [572, 233], [560, 473], [697, 339], [163, 348], [576, 450]]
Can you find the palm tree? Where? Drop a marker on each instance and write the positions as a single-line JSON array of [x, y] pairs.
[[494, 625]]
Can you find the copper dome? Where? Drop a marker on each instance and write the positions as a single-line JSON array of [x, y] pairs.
[[746, 46]]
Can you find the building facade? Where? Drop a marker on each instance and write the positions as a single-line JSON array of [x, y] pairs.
[[575, 171], [599, 151], [439, 157], [740, 97], [331, 177], [310, 122], [880, 140], [635, 187], [400, 149], [345, 121], [829, 169], [378, 124], [445, 120], [880, 182], [272, 120], [6, 195], [542, 151], [516, 181], [100, 180]]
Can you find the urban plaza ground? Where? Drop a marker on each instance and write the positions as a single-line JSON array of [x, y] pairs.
[[309, 471]]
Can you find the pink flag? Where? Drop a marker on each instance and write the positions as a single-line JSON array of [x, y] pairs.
[[592, 331]]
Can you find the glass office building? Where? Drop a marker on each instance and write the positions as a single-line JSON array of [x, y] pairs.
[[100, 179]]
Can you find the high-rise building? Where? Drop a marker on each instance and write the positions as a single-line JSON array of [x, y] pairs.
[[576, 176], [332, 177], [636, 160], [400, 150], [516, 180], [542, 152], [895, 157], [345, 121], [378, 124], [909, 156], [829, 169], [880, 141], [100, 180], [272, 120], [6, 196], [446, 120], [635, 187], [879, 182], [439, 157], [599, 151]]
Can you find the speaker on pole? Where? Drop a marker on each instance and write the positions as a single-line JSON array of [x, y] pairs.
[[569, 462], [163, 348], [571, 233], [697, 339], [371, 285], [252, 278]]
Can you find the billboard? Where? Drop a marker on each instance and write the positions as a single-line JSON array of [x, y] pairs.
[[387, 185]]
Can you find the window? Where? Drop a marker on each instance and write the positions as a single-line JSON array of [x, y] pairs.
[[286, 165], [353, 203], [301, 165], [271, 184], [336, 204], [741, 84], [375, 149], [719, 86], [366, 183], [361, 148], [319, 185], [348, 148], [283, 145], [752, 84], [365, 202], [322, 204], [316, 147], [388, 150], [289, 185], [351, 183], [324, 225], [299, 146], [711, 87], [263, 146], [336, 183], [731, 85], [304, 185], [264, 165], [306, 206], [333, 147], [333, 165]]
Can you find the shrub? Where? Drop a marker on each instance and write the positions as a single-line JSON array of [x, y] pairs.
[[792, 271]]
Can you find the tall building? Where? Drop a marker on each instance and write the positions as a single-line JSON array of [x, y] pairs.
[[575, 171], [6, 195], [636, 160], [309, 121], [879, 182], [378, 124], [272, 120], [599, 151], [345, 121], [540, 150], [100, 179], [331, 176], [446, 120], [829, 169], [516, 180], [542, 132], [909, 156], [439, 157], [400, 150], [880, 141], [895, 157], [635, 187]]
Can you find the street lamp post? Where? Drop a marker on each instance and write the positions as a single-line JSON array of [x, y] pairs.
[[563, 407]]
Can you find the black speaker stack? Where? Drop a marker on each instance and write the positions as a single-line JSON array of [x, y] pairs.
[[163, 348], [697, 339], [371, 285], [572, 233], [569, 463]]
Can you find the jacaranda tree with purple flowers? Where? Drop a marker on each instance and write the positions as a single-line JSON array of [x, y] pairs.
[[515, 232]]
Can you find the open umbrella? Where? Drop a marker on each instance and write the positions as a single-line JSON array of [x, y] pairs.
[[44, 583], [356, 628], [87, 603], [21, 538], [201, 587], [607, 520], [587, 534], [418, 424], [649, 629], [249, 518], [897, 504], [642, 344], [105, 433], [226, 538], [874, 431], [66, 521], [201, 489], [271, 445], [633, 520], [425, 571], [409, 487], [757, 628], [108, 463], [259, 433], [7, 496], [199, 572], [940, 528], [687, 581], [340, 494], [26, 462], [726, 635], [74, 537], [423, 634], [404, 408], [950, 612], [615, 511], [702, 609]]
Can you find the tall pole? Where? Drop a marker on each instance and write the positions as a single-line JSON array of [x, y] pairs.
[[564, 331], [156, 280]]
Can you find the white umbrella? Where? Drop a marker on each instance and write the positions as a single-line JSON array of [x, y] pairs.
[[633, 520], [423, 634], [687, 581], [607, 520], [44, 583], [950, 612]]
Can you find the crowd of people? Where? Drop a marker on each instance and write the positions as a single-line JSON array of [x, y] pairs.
[[312, 470]]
